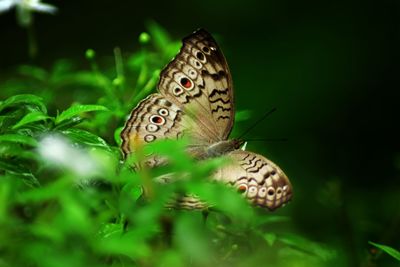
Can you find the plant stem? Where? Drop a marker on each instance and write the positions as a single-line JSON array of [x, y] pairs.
[[32, 43], [119, 68]]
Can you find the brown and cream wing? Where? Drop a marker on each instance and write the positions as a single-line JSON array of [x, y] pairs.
[[260, 180], [198, 80], [153, 118]]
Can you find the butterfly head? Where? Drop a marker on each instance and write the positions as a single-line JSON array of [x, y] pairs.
[[237, 143]]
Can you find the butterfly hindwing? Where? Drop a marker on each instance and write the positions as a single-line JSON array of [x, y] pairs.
[[260, 180]]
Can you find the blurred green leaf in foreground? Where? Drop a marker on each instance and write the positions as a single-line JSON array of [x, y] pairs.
[[68, 199]]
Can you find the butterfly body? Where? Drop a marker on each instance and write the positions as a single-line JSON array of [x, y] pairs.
[[195, 100], [223, 147]]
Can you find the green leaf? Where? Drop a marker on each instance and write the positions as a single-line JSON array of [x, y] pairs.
[[270, 238], [16, 138], [304, 245], [76, 110], [149, 86], [14, 152], [9, 167], [242, 115], [117, 135], [192, 240], [133, 190], [263, 220], [31, 117], [85, 137], [391, 251], [61, 67], [160, 35], [162, 40], [85, 78], [24, 99], [50, 191], [111, 229], [12, 167], [69, 123], [128, 244], [34, 72]]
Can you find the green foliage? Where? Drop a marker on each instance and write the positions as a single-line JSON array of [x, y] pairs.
[[67, 200], [75, 110], [389, 250]]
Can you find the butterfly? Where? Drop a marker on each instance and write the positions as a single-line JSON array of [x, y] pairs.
[[195, 99]]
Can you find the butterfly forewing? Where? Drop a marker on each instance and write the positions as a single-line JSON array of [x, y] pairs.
[[154, 118], [196, 99], [199, 80]]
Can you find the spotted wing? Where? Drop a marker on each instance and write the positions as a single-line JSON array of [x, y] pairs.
[[198, 80], [195, 100], [153, 118], [260, 180]]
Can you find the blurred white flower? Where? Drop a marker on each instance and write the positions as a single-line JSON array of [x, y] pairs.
[[28, 5], [60, 151]]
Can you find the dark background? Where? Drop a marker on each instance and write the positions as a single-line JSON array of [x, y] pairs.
[[330, 69]]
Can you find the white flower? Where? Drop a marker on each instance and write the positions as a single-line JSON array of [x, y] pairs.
[[28, 5], [60, 151]]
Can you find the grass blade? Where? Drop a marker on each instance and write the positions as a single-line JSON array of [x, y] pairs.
[[389, 250]]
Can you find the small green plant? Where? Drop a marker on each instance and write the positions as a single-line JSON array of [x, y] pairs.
[[24, 10], [68, 199]]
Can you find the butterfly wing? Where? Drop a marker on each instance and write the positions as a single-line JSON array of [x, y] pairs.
[[260, 180], [199, 81], [195, 99], [153, 118]]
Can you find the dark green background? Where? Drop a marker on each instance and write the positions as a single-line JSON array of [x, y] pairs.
[[330, 69]]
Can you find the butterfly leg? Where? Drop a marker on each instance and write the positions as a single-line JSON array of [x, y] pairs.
[[167, 226], [205, 214]]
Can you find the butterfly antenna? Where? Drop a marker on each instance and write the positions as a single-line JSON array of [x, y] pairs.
[[269, 139], [257, 122]]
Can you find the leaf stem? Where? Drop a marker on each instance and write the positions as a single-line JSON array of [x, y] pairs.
[[32, 42]]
